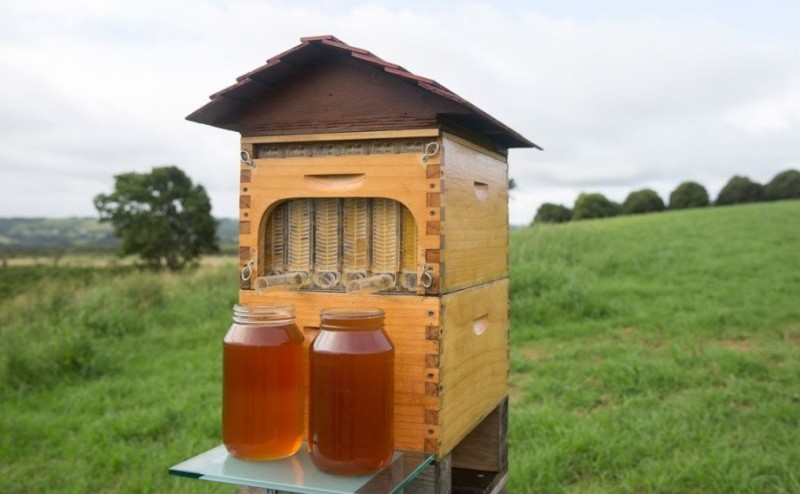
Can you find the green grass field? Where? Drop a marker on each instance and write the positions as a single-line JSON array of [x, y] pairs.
[[657, 353]]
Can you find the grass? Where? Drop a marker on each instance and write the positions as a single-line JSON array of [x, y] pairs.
[[105, 385], [658, 353]]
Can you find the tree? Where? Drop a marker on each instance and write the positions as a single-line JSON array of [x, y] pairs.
[[740, 190], [161, 216], [642, 201], [688, 195], [594, 205], [552, 213], [785, 185]]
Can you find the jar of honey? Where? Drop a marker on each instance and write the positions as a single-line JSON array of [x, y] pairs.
[[262, 383], [351, 393]]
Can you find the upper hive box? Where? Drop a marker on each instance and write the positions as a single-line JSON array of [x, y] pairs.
[[362, 184]]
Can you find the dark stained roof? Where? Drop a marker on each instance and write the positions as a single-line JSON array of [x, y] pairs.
[[227, 105]]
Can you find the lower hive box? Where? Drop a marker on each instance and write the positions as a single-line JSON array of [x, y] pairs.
[[451, 356]]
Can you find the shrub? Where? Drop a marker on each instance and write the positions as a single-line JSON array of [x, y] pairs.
[[688, 195], [642, 201], [594, 205], [740, 190], [552, 213], [785, 185]]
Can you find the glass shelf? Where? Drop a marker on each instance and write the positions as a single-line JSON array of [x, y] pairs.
[[299, 475]]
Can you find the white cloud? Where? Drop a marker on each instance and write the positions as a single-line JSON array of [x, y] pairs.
[[92, 89], [778, 112]]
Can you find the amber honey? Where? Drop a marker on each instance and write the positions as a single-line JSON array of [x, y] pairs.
[[262, 390], [351, 380]]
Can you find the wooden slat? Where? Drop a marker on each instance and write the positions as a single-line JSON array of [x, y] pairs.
[[475, 230], [475, 147], [342, 136], [474, 367]]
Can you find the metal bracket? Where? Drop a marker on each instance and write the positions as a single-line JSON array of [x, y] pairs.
[[247, 270], [426, 279], [431, 150], [244, 157]]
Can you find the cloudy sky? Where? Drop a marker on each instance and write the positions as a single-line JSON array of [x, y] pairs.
[[621, 94]]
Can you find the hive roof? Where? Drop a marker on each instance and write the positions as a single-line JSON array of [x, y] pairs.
[[228, 105]]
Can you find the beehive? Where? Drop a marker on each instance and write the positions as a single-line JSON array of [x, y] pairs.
[[355, 172]]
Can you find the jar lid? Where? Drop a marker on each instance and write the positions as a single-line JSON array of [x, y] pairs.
[[262, 312], [352, 318], [352, 313]]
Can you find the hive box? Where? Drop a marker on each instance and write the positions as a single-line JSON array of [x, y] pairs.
[[327, 120]]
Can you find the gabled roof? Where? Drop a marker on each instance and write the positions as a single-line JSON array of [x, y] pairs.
[[227, 105]]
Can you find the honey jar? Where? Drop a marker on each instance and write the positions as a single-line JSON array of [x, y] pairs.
[[351, 381], [262, 385]]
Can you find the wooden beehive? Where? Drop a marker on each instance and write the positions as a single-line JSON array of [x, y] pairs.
[[325, 120]]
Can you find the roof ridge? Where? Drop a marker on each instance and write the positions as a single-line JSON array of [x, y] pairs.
[[336, 43], [320, 37]]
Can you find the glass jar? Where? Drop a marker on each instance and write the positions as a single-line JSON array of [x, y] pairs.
[[262, 383], [351, 393]]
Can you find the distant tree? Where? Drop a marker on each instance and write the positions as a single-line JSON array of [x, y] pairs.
[[161, 216], [512, 184], [688, 195], [57, 253], [642, 201], [740, 190], [594, 205], [552, 213], [785, 185]]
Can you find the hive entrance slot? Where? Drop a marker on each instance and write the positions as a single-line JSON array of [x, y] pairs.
[[481, 190], [480, 324], [334, 181]]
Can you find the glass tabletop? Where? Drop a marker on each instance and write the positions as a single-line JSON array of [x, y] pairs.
[[298, 474]]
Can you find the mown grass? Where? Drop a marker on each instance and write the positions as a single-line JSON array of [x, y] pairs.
[[106, 384], [658, 353], [649, 354]]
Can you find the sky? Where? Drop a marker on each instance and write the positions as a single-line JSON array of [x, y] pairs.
[[621, 94]]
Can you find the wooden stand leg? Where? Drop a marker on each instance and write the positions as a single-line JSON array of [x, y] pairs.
[[476, 482], [478, 465], [433, 480], [486, 447], [480, 461]]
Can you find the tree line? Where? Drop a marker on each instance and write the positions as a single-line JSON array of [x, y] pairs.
[[738, 190]]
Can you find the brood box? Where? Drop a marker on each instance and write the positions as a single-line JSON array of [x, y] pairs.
[[355, 171]]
